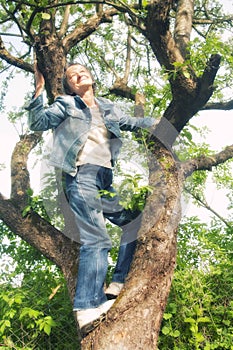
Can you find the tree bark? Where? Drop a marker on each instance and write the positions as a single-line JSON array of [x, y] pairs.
[[183, 27]]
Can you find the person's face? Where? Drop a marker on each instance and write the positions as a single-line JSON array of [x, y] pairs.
[[78, 78]]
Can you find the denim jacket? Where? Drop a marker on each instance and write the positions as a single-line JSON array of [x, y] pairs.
[[70, 119]]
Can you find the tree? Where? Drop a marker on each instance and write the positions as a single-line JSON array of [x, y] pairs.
[[156, 37]]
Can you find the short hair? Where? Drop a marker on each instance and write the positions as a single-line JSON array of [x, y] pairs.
[[66, 86]]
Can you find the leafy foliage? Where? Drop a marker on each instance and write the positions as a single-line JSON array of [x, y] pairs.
[[36, 312], [199, 314], [35, 308]]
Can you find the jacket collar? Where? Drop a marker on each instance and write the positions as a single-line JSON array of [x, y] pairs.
[[103, 103]]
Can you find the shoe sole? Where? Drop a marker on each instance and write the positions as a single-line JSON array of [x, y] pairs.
[[85, 330], [111, 296]]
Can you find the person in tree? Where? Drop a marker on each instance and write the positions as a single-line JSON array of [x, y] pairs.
[[87, 131]]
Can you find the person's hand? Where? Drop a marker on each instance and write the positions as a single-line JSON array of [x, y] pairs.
[[39, 80]]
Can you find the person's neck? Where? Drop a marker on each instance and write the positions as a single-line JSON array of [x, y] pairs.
[[89, 98]]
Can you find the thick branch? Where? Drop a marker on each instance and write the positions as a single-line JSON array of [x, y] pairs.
[[189, 96], [20, 178], [190, 93], [207, 80], [159, 35], [183, 25], [12, 60], [65, 20], [203, 21], [226, 106], [207, 162], [120, 88], [47, 239], [128, 56], [83, 31]]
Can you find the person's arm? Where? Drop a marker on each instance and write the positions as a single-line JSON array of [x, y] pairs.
[[160, 128], [41, 118], [39, 81], [128, 123]]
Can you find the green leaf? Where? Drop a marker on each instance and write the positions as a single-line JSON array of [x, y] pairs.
[[45, 16], [3, 325], [189, 320], [167, 316], [199, 337], [203, 319], [18, 299], [165, 330], [26, 210], [186, 74], [226, 322], [28, 312], [175, 333], [30, 192], [47, 329]]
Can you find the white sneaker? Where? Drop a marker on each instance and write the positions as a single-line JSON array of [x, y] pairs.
[[114, 290], [106, 306], [87, 316], [88, 319]]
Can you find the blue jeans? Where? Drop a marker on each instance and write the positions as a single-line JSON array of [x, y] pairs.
[[90, 210]]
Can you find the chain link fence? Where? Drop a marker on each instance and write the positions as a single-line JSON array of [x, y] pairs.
[[35, 309]]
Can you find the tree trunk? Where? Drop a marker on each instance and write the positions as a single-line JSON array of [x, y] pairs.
[[135, 318]]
